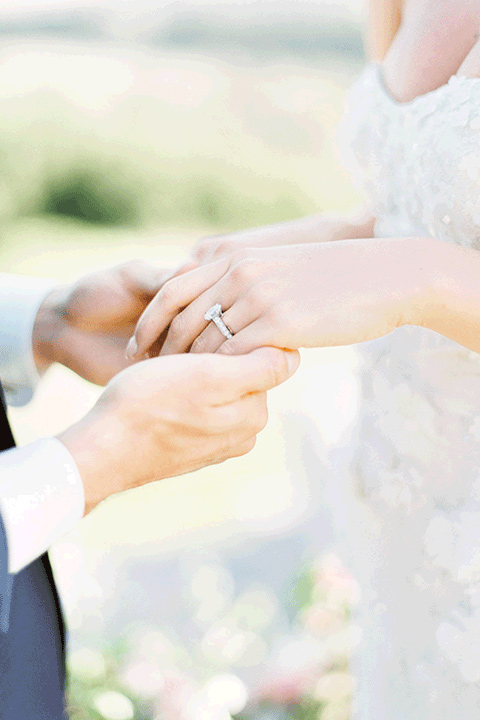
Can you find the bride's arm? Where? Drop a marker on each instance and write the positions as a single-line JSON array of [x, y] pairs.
[[323, 294], [319, 228], [455, 311], [384, 20]]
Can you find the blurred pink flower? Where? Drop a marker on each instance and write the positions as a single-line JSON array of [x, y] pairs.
[[178, 690], [332, 577], [285, 689]]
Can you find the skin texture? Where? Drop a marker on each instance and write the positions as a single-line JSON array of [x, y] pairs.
[[433, 41], [85, 325], [307, 283], [273, 296], [161, 417], [169, 416]]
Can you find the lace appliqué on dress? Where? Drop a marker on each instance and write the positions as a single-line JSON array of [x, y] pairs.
[[417, 464]]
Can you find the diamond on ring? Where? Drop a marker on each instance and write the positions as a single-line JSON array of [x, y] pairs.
[[214, 312], [215, 315]]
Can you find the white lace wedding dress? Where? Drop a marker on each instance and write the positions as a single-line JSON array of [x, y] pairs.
[[415, 468]]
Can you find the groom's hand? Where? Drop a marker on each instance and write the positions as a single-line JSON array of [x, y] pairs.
[[171, 415], [85, 325]]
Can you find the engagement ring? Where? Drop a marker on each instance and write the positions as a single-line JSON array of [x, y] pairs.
[[215, 315]]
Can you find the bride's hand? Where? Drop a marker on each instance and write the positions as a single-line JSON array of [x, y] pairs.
[[313, 295]]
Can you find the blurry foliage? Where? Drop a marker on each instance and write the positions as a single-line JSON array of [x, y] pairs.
[[97, 196], [163, 142], [88, 196], [301, 673], [302, 591], [50, 164]]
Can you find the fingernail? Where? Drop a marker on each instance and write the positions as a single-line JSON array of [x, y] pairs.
[[132, 348]]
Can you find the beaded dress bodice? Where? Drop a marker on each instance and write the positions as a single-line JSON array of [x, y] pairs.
[[415, 469], [418, 163]]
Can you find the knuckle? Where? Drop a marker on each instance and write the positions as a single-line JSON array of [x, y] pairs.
[[168, 294], [131, 267], [207, 247], [224, 247], [244, 269], [238, 272], [133, 264], [246, 447], [201, 251]]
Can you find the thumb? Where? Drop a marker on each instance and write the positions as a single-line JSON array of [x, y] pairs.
[[258, 371]]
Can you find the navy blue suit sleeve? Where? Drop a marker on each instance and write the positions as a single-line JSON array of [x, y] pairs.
[[6, 580]]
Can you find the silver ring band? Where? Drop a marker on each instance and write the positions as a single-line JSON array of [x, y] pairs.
[[215, 315]]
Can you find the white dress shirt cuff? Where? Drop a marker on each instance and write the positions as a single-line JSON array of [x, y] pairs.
[[20, 300], [41, 498]]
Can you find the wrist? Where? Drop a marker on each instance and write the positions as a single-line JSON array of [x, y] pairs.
[[95, 443], [423, 295], [49, 327]]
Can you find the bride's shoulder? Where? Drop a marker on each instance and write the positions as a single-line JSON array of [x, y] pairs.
[[432, 42], [420, 20], [384, 19]]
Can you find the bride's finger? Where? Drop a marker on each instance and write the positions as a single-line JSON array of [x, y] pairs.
[[237, 318], [190, 322], [177, 293], [255, 335]]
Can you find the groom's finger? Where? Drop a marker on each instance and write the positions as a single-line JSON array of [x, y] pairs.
[[259, 371], [176, 294]]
